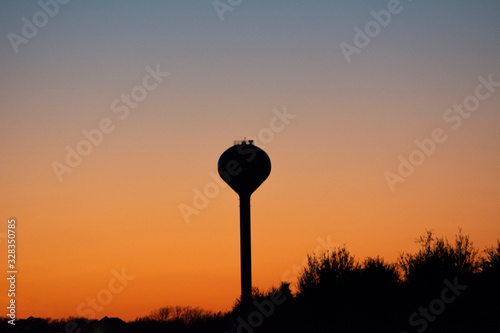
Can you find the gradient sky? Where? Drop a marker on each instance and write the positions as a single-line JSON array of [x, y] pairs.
[[119, 209]]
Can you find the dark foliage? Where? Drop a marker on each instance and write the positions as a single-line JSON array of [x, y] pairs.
[[442, 288]]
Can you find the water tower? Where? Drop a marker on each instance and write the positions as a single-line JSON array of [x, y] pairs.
[[244, 167]]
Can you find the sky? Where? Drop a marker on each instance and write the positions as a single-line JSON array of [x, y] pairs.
[[381, 119]]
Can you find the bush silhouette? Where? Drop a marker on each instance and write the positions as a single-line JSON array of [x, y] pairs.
[[424, 273], [326, 274], [336, 291], [491, 264]]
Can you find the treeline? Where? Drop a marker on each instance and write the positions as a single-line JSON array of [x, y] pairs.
[[444, 287]]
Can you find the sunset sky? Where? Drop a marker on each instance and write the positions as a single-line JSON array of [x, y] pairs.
[[342, 129]]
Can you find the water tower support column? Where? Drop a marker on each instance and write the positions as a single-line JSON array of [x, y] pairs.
[[245, 250]]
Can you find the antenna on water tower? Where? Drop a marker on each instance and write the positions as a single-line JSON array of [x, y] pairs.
[[244, 167]]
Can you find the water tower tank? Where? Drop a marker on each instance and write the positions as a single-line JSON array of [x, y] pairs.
[[244, 167]]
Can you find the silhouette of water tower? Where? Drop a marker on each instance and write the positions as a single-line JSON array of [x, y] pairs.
[[244, 167]]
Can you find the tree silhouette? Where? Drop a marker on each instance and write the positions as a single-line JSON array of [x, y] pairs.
[[179, 314], [424, 273]]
